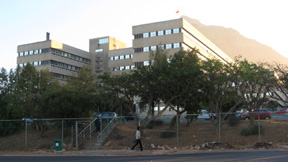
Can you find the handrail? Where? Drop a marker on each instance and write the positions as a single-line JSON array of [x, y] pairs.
[[91, 127], [83, 134]]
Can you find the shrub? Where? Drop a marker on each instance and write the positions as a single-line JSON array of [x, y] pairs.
[[8, 128], [154, 123], [168, 134], [252, 131], [246, 132], [233, 121]]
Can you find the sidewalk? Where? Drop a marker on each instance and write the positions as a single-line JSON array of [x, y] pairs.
[[90, 153]]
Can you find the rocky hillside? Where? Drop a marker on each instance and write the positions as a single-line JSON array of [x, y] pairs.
[[235, 44]]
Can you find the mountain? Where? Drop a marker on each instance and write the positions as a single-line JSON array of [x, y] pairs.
[[235, 44]]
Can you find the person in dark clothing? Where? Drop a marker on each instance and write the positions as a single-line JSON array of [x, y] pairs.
[[98, 124], [138, 140]]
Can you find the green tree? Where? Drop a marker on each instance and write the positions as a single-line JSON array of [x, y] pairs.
[[183, 83], [255, 83], [73, 100]]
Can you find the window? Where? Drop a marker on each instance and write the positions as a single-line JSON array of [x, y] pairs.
[[121, 57], [160, 32], [103, 41], [36, 51], [167, 32], [127, 67], [131, 55], [26, 53], [46, 50], [98, 50], [40, 50], [176, 45], [168, 46], [30, 52], [111, 58], [168, 60], [122, 68], [21, 53], [153, 48], [138, 36], [127, 56], [152, 34], [132, 66], [145, 49], [146, 63], [138, 50], [176, 30], [116, 57], [145, 35]]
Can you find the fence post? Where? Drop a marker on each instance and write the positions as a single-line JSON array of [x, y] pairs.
[[62, 131], [177, 129], [259, 129], [219, 125], [72, 134], [26, 134], [90, 137], [76, 134]]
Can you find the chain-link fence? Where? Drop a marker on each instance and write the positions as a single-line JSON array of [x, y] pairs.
[[165, 131]]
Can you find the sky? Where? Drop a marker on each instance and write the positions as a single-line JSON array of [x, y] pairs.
[[74, 22]]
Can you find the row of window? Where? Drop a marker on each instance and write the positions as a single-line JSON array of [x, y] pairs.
[[60, 76], [71, 56], [53, 63], [154, 48], [65, 66], [157, 33], [121, 57], [120, 68], [33, 52]]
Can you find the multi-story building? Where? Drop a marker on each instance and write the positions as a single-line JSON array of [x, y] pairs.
[[106, 54], [171, 36], [60, 59], [99, 49]]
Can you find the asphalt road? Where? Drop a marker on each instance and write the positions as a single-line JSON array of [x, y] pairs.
[[231, 156]]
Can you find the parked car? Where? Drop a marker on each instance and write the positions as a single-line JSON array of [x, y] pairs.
[[259, 114], [29, 120], [106, 115], [280, 111], [204, 115]]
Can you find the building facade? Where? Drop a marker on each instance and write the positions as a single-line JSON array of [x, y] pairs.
[[106, 54], [60, 59]]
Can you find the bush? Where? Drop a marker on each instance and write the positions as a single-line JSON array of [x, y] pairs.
[[233, 121], [246, 132], [9, 127], [252, 131], [154, 123], [167, 134]]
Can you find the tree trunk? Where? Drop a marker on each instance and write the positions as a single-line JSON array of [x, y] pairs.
[[252, 119]]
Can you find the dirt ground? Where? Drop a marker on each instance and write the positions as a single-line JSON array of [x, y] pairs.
[[201, 135], [198, 136]]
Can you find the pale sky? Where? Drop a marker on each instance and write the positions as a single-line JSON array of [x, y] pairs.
[[74, 22]]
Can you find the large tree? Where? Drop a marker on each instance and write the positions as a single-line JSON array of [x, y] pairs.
[[255, 84], [219, 87]]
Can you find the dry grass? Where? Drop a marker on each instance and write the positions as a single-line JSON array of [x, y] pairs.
[[198, 133]]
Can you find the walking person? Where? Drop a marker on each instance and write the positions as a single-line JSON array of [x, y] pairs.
[[138, 140]]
